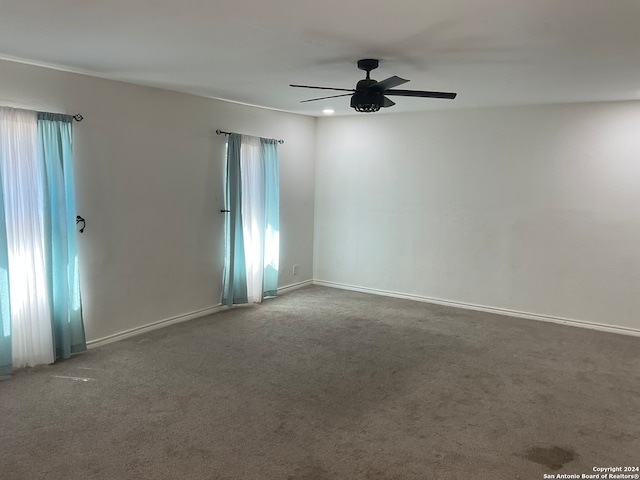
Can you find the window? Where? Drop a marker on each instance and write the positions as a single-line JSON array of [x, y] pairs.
[[252, 227], [39, 284]]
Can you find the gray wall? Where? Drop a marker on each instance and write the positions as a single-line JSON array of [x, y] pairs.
[[530, 209], [149, 178]]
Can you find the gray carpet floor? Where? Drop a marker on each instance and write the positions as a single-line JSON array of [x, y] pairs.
[[328, 384]]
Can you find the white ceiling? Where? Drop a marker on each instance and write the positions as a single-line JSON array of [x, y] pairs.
[[492, 52]]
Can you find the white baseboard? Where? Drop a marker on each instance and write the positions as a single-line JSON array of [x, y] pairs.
[[482, 308], [179, 319], [294, 286], [116, 337]]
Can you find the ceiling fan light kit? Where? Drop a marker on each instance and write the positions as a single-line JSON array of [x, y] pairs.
[[367, 101], [370, 95]]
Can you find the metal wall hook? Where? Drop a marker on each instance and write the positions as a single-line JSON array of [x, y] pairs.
[[84, 223]]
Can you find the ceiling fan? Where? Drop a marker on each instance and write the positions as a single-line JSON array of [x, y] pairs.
[[370, 95]]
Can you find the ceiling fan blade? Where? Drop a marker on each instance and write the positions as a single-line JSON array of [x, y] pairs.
[[388, 103], [388, 83], [420, 93], [322, 98], [325, 88]]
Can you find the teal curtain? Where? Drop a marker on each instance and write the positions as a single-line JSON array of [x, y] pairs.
[[5, 310], [55, 151], [234, 288], [269, 153]]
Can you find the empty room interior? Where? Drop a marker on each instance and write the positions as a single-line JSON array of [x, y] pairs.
[[448, 239]]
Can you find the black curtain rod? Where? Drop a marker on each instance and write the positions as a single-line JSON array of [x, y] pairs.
[[77, 117], [222, 132]]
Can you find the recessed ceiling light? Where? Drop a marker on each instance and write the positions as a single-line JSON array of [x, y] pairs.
[[328, 111]]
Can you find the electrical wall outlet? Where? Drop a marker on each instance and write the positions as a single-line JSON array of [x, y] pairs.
[[295, 269]]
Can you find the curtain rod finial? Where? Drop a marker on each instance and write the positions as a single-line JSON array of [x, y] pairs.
[[78, 118]]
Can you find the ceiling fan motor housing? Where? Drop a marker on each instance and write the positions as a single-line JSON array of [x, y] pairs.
[[365, 83]]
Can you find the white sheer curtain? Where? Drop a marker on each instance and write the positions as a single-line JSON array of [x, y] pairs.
[[22, 182], [252, 185]]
